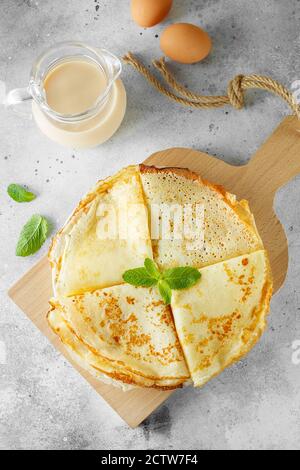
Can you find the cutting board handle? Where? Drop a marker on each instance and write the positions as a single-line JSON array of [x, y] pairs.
[[277, 161]]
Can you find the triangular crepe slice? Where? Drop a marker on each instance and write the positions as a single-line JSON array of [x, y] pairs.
[[216, 226], [131, 328], [106, 371], [221, 318], [106, 235]]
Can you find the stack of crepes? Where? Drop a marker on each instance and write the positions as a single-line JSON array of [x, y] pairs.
[[126, 335]]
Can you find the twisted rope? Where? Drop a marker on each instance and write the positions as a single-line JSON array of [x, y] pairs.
[[235, 90]]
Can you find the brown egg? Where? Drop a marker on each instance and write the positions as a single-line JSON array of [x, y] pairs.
[[148, 13], [185, 43]]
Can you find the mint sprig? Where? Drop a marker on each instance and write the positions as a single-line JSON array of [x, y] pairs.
[[20, 194], [171, 279]]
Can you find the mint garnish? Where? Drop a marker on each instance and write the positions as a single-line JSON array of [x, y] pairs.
[[149, 275]]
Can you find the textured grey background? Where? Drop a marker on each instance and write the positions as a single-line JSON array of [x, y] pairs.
[[44, 403]]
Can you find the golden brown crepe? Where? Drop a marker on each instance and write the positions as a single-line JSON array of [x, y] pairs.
[[125, 335], [229, 227], [221, 318], [93, 250], [125, 332]]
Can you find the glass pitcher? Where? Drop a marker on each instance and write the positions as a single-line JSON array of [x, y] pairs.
[[87, 128]]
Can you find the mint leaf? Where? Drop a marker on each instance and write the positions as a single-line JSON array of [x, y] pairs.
[[20, 194], [165, 291], [32, 236], [139, 277], [152, 268], [181, 278]]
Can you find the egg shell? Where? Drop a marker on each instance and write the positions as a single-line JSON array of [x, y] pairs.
[[185, 43], [148, 13]]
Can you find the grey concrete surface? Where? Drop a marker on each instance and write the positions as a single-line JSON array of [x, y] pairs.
[[44, 403]]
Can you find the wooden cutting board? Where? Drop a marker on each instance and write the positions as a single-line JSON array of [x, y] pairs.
[[276, 162]]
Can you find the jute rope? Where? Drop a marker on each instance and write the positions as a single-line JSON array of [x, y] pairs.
[[235, 90]]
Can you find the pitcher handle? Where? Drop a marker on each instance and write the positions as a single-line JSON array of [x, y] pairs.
[[16, 97]]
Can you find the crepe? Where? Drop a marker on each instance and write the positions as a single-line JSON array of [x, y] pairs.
[[124, 333], [221, 318], [106, 235], [227, 230]]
